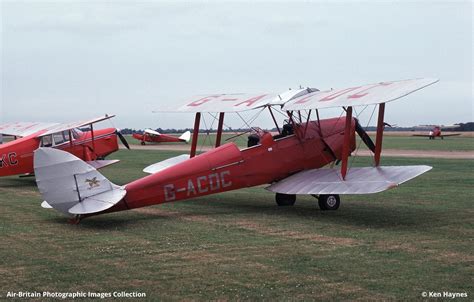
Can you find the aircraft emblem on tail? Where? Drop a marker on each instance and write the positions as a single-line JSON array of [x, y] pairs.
[[94, 182]]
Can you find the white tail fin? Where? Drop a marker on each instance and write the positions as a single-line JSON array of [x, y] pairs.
[[71, 186], [186, 136]]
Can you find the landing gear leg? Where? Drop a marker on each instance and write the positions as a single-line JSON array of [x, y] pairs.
[[328, 202], [285, 199]]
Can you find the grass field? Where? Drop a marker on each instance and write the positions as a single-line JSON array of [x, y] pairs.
[[390, 142], [240, 246]]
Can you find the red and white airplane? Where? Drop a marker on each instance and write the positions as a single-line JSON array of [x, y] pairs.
[[16, 156], [152, 136], [298, 160], [436, 132]]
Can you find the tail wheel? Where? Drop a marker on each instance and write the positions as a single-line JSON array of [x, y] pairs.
[[285, 199], [142, 143], [329, 202]]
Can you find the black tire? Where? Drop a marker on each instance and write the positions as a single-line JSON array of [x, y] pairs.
[[142, 143], [329, 202], [284, 200]]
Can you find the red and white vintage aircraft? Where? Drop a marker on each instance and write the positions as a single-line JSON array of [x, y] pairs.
[[152, 136], [16, 156], [436, 132], [298, 160]]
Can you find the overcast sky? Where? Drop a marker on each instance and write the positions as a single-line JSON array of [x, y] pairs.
[[65, 61]]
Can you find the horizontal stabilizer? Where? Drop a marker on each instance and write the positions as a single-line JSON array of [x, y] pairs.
[[70, 185], [98, 203], [358, 180], [152, 169], [99, 164], [46, 205]]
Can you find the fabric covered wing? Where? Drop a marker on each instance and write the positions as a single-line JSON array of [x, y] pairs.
[[152, 132], [237, 102], [359, 95], [358, 180], [23, 129], [72, 125]]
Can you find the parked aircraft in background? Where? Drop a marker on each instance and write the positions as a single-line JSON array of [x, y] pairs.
[[152, 136], [435, 131], [16, 156]]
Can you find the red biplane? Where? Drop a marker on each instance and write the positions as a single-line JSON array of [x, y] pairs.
[[152, 136], [298, 160], [436, 132], [16, 156]]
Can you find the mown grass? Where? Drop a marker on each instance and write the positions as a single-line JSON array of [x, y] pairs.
[[423, 143], [240, 246]]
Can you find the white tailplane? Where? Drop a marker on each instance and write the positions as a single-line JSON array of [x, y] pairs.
[[71, 186], [164, 164]]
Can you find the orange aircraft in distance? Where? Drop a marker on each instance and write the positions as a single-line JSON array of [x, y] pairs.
[[152, 136]]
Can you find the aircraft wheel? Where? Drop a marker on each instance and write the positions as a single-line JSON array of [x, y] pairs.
[[329, 202], [142, 143], [285, 199]]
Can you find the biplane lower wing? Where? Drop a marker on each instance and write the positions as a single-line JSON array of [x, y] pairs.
[[365, 180]]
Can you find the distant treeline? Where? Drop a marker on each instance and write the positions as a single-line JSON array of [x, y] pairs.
[[462, 127]]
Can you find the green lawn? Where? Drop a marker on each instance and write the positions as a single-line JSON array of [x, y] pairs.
[[423, 143], [240, 246]]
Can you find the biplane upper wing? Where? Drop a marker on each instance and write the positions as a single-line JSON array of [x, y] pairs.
[[67, 126], [23, 129], [358, 180], [237, 102], [359, 95]]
